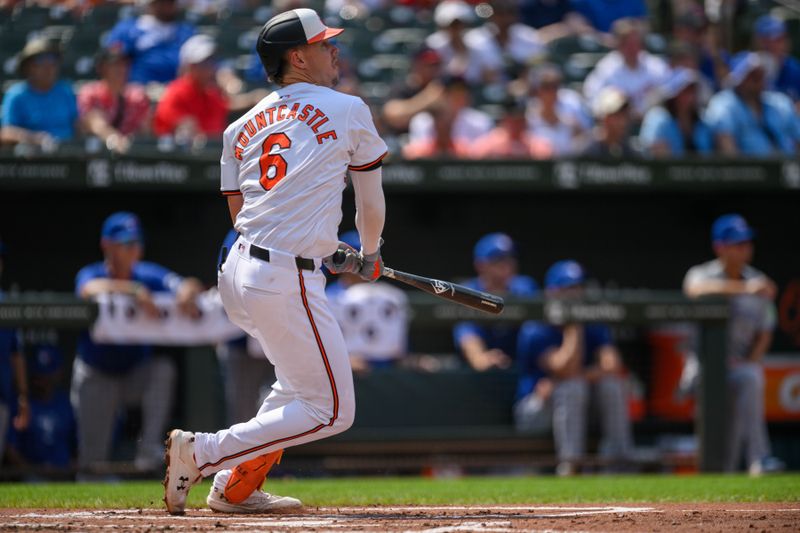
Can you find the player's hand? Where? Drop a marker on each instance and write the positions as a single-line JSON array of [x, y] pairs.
[[186, 297], [345, 259], [494, 358], [764, 287], [544, 389], [144, 299], [371, 266]]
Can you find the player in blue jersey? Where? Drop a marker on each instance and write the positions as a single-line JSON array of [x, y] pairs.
[[485, 347], [108, 377], [565, 370]]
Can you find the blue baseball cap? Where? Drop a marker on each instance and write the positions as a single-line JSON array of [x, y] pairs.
[[731, 229], [122, 227], [46, 360], [352, 238], [494, 246], [563, 274], [769, 27]]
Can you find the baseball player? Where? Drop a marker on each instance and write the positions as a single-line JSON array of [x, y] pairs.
[[568, 371], [283, 171], [752, 319], [493, 346], [107, 377]]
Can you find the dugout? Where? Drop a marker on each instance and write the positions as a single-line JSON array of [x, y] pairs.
[[636, 225]]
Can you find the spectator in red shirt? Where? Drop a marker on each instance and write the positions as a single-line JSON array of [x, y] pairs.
[[193, 106], [111, 108], [511, 138]]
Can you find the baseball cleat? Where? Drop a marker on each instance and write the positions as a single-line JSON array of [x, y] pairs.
[[182, 472], [257, 502]]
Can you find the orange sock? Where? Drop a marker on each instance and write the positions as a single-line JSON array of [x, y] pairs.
[[249, 476]]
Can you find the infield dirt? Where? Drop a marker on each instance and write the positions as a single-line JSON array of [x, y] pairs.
[[722, 517]]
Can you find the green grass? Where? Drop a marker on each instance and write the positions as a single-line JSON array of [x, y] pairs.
[[420, 491]]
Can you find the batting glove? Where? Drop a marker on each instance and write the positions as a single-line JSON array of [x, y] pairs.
[[371, 266], [345, 259]]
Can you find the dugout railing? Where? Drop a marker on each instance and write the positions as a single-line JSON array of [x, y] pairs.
[[59, 311]]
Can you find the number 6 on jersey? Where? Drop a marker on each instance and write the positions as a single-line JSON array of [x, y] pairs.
[[269, 161]]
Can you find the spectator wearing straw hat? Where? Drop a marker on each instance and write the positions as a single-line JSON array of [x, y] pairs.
[[42, 109], [611, 110], [675, 128]]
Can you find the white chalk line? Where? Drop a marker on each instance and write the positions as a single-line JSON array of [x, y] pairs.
[[342, 513], [501, 527]]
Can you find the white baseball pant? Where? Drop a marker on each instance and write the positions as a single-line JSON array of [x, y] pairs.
[[286, 310]]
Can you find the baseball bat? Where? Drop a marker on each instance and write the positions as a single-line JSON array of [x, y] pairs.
[[482, 301]]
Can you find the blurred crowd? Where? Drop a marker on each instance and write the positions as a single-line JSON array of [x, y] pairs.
[[504, 79]]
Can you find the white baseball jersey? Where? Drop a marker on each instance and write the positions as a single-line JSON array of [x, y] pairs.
[[374, 321], [288, 156]]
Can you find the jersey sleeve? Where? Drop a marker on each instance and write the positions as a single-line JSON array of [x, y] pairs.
[[229, 169], [366, 146]]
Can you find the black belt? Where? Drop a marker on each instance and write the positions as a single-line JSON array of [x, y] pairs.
[[263, 254]]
